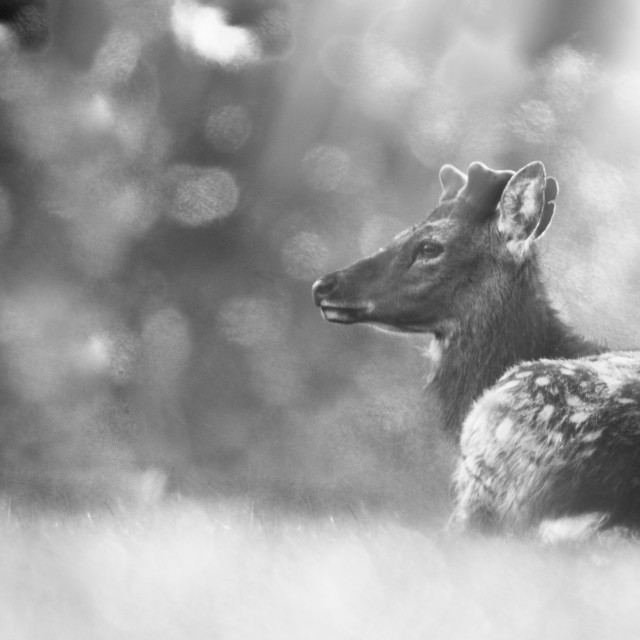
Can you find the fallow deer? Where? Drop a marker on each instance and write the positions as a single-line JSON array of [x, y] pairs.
[[548, 422]]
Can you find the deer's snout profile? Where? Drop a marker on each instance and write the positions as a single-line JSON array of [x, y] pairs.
[[323, 287]]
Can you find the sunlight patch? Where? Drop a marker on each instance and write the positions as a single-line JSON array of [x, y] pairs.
[[204, 31]]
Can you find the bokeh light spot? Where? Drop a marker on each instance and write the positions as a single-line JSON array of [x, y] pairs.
[[52, 347], [275, 31], [534, 121], [390, 79], [112, 352], [97, 113], [305, 255], [202, 195], [326, 168], [228, 128], [118, 57], [204, 31], [570, 76], [435, 123], [376, 232], [96, 353], [8, 41]]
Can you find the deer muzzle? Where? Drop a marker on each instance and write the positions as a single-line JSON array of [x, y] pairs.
[[334, 308]]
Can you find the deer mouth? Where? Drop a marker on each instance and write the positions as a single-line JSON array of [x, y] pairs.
[[344, 314]]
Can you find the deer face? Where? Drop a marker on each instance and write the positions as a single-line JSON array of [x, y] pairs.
[[424, 279]]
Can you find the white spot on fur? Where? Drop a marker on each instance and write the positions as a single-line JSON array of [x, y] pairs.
[[609, 373], [573, 401], [556, 438], [546, 413], [590, 437], [476, 421], [518, 248], [571, 529], [434, 351], [566, 371], [495, 397], [626, 401], [530, 206], [613, 384], [543, 381], [509, 385], [482, 414], [621, 360], [503, 431], [579, 417], [474, 424], [523, 374]]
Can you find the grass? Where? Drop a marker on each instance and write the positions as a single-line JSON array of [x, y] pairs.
[[187, 569]]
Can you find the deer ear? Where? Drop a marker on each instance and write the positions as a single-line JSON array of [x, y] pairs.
[[550, 193], [522, 207], [452, 181]]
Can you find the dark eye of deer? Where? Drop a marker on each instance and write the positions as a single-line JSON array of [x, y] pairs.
[[428, 250]]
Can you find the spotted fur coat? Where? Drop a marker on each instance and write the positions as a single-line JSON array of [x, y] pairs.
[[550, 439]]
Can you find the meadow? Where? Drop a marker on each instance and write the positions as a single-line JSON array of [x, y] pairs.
[[229, 570]]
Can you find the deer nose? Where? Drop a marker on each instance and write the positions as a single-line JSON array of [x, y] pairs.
[[323, 287]]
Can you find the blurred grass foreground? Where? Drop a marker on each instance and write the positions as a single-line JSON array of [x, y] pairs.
[[189, 571], [186, 449]]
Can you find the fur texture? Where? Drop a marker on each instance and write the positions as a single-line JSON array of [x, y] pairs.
[[553, 438]]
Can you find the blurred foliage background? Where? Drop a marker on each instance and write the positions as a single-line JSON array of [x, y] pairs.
[[175, 174]]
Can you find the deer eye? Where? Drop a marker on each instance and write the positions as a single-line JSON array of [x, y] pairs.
[[428, 250]]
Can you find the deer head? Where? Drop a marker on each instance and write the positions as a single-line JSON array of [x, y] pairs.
[[482, 231]]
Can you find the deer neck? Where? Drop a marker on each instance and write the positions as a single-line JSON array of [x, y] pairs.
[[507, 324]]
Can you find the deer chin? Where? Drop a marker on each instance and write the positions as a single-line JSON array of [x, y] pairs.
[[399, 328], [439, 329], [345, 314]]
